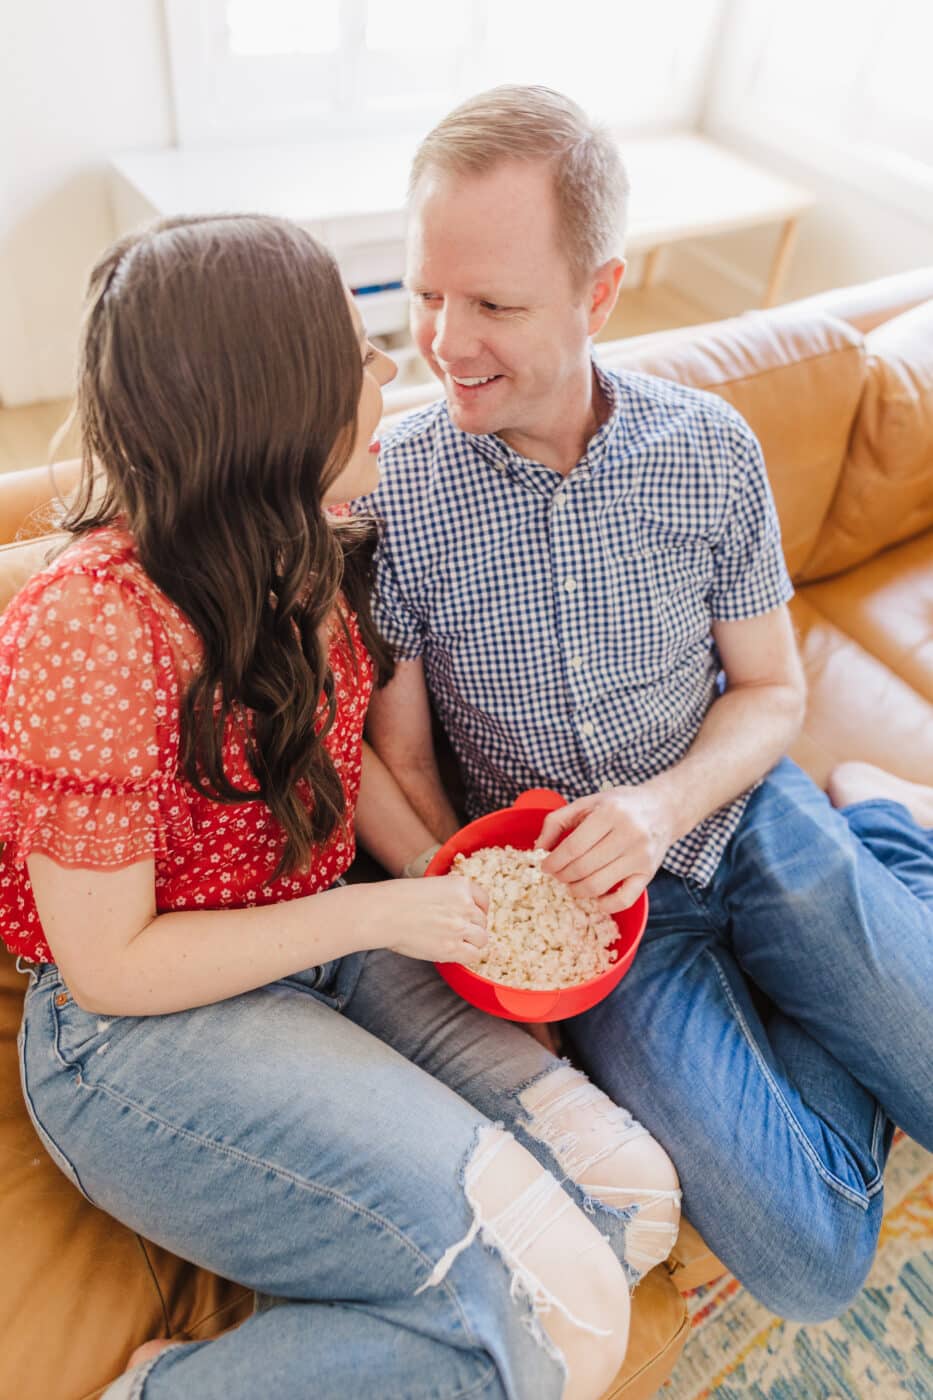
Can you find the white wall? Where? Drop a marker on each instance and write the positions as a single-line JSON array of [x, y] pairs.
[[802, 119], [849, 236], [78, 80], [82, 80]]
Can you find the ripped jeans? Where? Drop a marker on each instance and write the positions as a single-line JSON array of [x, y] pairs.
[[779, 1110], [328, 1140]]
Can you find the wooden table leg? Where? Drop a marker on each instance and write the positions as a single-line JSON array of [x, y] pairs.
[[785, 247], [650, 267]]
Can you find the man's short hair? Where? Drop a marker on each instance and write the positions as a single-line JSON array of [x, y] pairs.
[[536, 123]]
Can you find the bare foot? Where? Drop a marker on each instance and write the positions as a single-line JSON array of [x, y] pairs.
[[860, 782], [147, 1351]]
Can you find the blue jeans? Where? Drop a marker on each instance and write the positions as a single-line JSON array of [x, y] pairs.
[[308, 1140], [777, 1105]]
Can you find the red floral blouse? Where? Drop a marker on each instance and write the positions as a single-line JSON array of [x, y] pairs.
[[94, 659]]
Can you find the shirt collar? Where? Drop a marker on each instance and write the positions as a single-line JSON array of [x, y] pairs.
[[503, 458], [599, 443]]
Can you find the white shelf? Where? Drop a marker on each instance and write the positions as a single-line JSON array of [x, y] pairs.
[[385, 312], [352, 192]]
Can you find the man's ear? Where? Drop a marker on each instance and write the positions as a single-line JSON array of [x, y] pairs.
[[604, 292]]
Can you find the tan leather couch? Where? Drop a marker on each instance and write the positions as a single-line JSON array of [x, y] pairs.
[[840, 391]]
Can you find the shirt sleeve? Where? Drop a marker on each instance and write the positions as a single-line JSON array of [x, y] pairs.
[[87, 758], [393, 613], [749, 573]]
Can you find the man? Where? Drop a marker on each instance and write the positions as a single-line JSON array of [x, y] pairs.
[[572, 561]]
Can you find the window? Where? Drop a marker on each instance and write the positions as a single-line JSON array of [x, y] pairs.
[[262, 71], [841, 85]]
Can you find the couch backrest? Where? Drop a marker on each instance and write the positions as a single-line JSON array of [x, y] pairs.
[[796, 380], [846, 422], [885, 490], [869, 304]]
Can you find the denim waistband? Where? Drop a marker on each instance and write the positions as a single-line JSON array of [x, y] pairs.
[[36, 972]]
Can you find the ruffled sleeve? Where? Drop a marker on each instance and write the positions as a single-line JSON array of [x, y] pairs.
[[88, 726]]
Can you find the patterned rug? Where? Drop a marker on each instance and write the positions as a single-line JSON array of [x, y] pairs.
[[881, 1349]]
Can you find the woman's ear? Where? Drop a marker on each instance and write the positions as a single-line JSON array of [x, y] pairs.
[[604, 292]]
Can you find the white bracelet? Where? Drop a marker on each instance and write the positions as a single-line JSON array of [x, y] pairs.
[[416, 868]]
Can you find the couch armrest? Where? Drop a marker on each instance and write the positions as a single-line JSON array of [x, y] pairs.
[[871, 303], [27, 498]]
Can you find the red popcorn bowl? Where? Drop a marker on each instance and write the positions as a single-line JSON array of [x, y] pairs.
[[520, 826]]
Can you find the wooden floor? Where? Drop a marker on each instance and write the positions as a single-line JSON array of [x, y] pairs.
[[26, 433], [660, 308]]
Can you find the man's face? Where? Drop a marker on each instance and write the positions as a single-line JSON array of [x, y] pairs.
[[495, 311]]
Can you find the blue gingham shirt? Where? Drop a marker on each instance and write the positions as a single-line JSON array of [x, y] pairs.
[[565, 622]]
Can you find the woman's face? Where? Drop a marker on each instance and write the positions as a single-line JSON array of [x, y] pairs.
[[361, 473]]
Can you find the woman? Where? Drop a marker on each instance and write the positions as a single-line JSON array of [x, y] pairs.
[[222, 1045]]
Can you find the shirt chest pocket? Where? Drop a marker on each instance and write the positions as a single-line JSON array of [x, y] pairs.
[[665, 573], [660, 586], [658, 555]]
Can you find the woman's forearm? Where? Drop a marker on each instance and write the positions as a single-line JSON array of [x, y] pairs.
[[188, 957], [194, 957]]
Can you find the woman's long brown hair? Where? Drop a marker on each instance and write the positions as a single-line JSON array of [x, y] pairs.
[[218, 385]]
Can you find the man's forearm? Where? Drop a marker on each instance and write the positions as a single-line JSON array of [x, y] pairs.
[[421, 784], [398, 727], [744, 734], [388, 825]]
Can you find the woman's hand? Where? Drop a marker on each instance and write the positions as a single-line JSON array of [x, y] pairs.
[[441, 919], [616, 838]]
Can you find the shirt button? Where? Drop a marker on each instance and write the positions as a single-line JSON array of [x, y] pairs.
[[576, 662], [61, 999], [587, 727], [606, 785], [570, 585], [560, 499]]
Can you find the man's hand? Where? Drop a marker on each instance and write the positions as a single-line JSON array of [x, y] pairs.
[[612, 838]]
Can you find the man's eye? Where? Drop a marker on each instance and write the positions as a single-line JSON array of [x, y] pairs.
[[428, 297], [493, 306]]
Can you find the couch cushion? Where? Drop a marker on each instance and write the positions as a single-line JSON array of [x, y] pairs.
[[885, 490], [77, 1290], [857, 707], [886, 605], [691, 1262], [796, 380], [657, 1332]]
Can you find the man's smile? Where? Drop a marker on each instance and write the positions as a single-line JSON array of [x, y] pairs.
[[471, 387]]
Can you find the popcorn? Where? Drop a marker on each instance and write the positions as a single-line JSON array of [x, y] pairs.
[[540, 935]]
